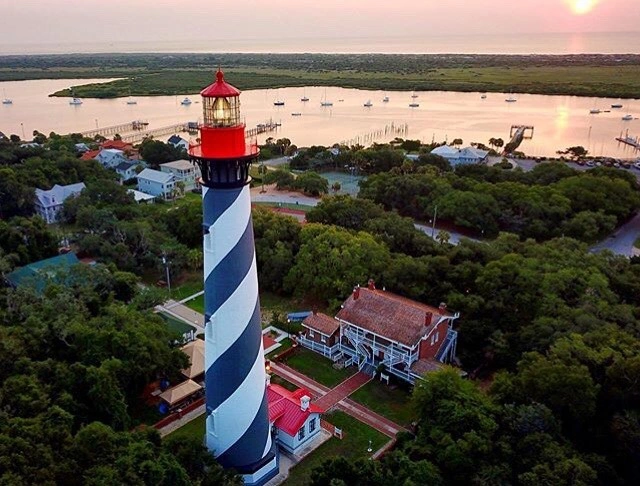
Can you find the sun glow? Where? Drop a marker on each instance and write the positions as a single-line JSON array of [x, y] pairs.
[[582, 7]]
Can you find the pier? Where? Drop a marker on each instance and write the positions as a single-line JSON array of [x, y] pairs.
[[392, 129], [517, 134], [136, 131], [628, 140]]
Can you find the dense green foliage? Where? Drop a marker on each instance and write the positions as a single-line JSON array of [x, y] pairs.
[[73, 365], [550, 201]]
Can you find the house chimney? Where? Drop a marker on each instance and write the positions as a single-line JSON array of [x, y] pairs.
[[442, 306], [304, 403], [428, 317], [371, 284], [356, 293]]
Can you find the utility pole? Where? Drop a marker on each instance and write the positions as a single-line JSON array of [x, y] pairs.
[[165, 262], [433, 227]]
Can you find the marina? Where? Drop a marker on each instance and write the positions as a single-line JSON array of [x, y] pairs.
[[560, 121]]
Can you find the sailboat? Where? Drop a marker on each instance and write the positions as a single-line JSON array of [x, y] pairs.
[[627, 117], [385, 99], [324, 101], [368, 104], [186, 101], [75, 101], [304, 96], [5, 100], [511, 98], [414, 95]]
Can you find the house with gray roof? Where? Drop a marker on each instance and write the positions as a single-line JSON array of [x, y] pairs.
[[49, 203], [178, 142], [111, 158], [183, 171], [156, 183]]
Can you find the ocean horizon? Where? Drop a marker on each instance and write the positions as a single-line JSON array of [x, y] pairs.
[[538, 43]]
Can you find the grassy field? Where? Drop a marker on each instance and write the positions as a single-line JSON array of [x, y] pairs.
[[317, 367], [353, 446], [392, 403], [611, 81]]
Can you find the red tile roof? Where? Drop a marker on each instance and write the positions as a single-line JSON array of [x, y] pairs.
[[389, 315], [267, 341], [116, 144], [91, 154], [284, 408], [322, 323]]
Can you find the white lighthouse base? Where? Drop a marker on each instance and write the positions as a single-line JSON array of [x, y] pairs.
[[264, 474]]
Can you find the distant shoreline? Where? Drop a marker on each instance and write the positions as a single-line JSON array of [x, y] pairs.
[[592, 75]]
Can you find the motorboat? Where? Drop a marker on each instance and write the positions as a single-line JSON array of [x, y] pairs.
[[368, 104], [75, 101], [278, 103], [304, 98], [326, 103], [414, 95], [483, 97], [414, 105], [185, 102], [385, 99], [511, 99], [131, 101], [616, 105], [627, 117], [297, 113], [594, 111], [7, 101]]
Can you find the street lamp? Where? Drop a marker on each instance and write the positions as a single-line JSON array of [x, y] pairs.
[[288, 328], [369, 449]]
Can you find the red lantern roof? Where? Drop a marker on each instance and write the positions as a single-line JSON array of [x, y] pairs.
[[219, 89]]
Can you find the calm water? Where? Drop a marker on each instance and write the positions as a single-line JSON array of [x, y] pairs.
[[559, 121], [488, 43]]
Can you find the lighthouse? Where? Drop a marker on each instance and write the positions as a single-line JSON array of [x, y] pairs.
[[237, 421]]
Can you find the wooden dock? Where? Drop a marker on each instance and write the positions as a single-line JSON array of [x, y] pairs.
[[136, 131], [390, 130]]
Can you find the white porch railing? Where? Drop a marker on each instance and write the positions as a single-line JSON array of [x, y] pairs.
[[326, 351]]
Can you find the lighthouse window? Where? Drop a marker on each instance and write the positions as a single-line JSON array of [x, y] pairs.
[[301, 433]]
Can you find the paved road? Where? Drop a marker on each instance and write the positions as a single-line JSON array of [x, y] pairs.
[[621, 242]]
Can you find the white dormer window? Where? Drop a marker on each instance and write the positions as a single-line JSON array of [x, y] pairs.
[[323, 339], [433, 339], [437, 336], [311, 333]]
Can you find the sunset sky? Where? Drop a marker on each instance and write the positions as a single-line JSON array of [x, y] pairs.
[[51, 22]]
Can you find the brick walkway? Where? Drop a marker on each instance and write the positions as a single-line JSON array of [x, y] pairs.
[[343, 390], [357, 411]]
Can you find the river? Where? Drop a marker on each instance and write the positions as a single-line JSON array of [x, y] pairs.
[[558, 121]]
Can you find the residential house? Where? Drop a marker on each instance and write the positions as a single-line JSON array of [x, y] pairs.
[[178, 142], [49, 203], [111, 158], [184, 171], [156, 183], [375, 327], [467, 155], [126, 170], [295, 419], [82, 148]]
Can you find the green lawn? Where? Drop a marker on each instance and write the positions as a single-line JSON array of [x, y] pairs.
[[353, 446], [392, 403], [195, 428], [196, 304], [187, 285], [317, 367], [284, 345]]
